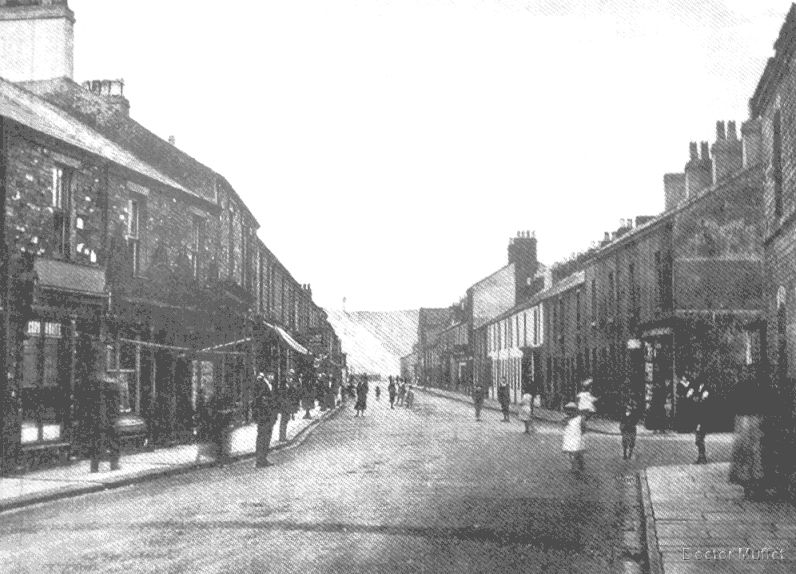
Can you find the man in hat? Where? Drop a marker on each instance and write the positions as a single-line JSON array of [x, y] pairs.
[[265, 414]]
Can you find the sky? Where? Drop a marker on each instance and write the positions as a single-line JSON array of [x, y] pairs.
[[390, 148]]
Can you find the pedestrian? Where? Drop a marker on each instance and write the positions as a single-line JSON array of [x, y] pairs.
[[526, 409], [504, 399], [284, 402], [378, 392], [410, 397], [698, 394], [307, 395], [401, 392], [106, 410], [574, 443], [627, 426], [362, 397], [266, 408], [391, 392], [295, 393], [585, 401], [751, 464], [478, 400]]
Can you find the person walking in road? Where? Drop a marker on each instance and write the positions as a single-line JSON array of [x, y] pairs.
[[378, 391], [478, 400], [627, 426], [699, 394], [526, 410], [265, 415], [410, 397], [391, 393], [573, 440], [504, 399], [362, 397], [401, 393]]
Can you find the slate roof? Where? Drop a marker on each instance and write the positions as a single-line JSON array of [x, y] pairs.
[[96, 112], [33, 112]]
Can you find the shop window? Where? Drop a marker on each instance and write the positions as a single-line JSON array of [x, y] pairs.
[[40, 392]]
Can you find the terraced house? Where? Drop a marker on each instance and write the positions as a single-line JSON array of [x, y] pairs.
[[124, 254]]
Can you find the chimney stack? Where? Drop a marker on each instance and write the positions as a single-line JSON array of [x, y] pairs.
[[172, 140], [698, 170], [112, 91], [727, 153], [36, 40]]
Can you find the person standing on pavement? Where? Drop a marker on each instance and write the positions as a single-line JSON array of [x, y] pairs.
[[526, 409], [265, 415], [750, 466], [378, 391], [391, 393], [284, 402], [504, 399], [362, 397], [410, 397], [478, 400], [105, 439]]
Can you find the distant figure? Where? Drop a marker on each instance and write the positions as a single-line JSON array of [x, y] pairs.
[[504, 399], [265, 413], [627, 426], [378, 392], [410, 397], [573, 440], [699, 394], [362, 397], [401, 393], [526, 410], [391, 391], [656, 419], [478, 400]]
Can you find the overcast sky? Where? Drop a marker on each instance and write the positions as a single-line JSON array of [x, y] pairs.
[[390, 148]]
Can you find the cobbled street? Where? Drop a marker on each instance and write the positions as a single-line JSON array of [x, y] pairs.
[[421, 490]]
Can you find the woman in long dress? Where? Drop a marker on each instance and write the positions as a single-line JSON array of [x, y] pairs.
[[748, 469], [362, 397]]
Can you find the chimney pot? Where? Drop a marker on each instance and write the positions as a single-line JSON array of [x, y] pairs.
[[172, 140], [720, 133], [731, 133], [704, 150], [692, 150]]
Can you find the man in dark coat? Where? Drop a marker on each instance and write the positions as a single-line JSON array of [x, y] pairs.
[[478, 400], [504, 399], [106, 398], [265, 414], [391, 391]]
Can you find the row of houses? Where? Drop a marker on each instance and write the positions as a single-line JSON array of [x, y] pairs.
[[122, 254], [704, 290]]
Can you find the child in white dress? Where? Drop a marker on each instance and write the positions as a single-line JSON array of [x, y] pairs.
[[573, 440]]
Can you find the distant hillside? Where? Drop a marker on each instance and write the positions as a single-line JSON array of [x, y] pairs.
[[375, 341]]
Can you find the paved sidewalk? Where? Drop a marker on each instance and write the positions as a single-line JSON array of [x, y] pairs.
[[596, 424], [76, 478], [701, 523]]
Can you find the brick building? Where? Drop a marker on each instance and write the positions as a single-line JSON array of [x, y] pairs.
[[126, 255]]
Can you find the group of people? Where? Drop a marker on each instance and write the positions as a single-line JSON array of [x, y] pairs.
[[578, 412], [398, 390]]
